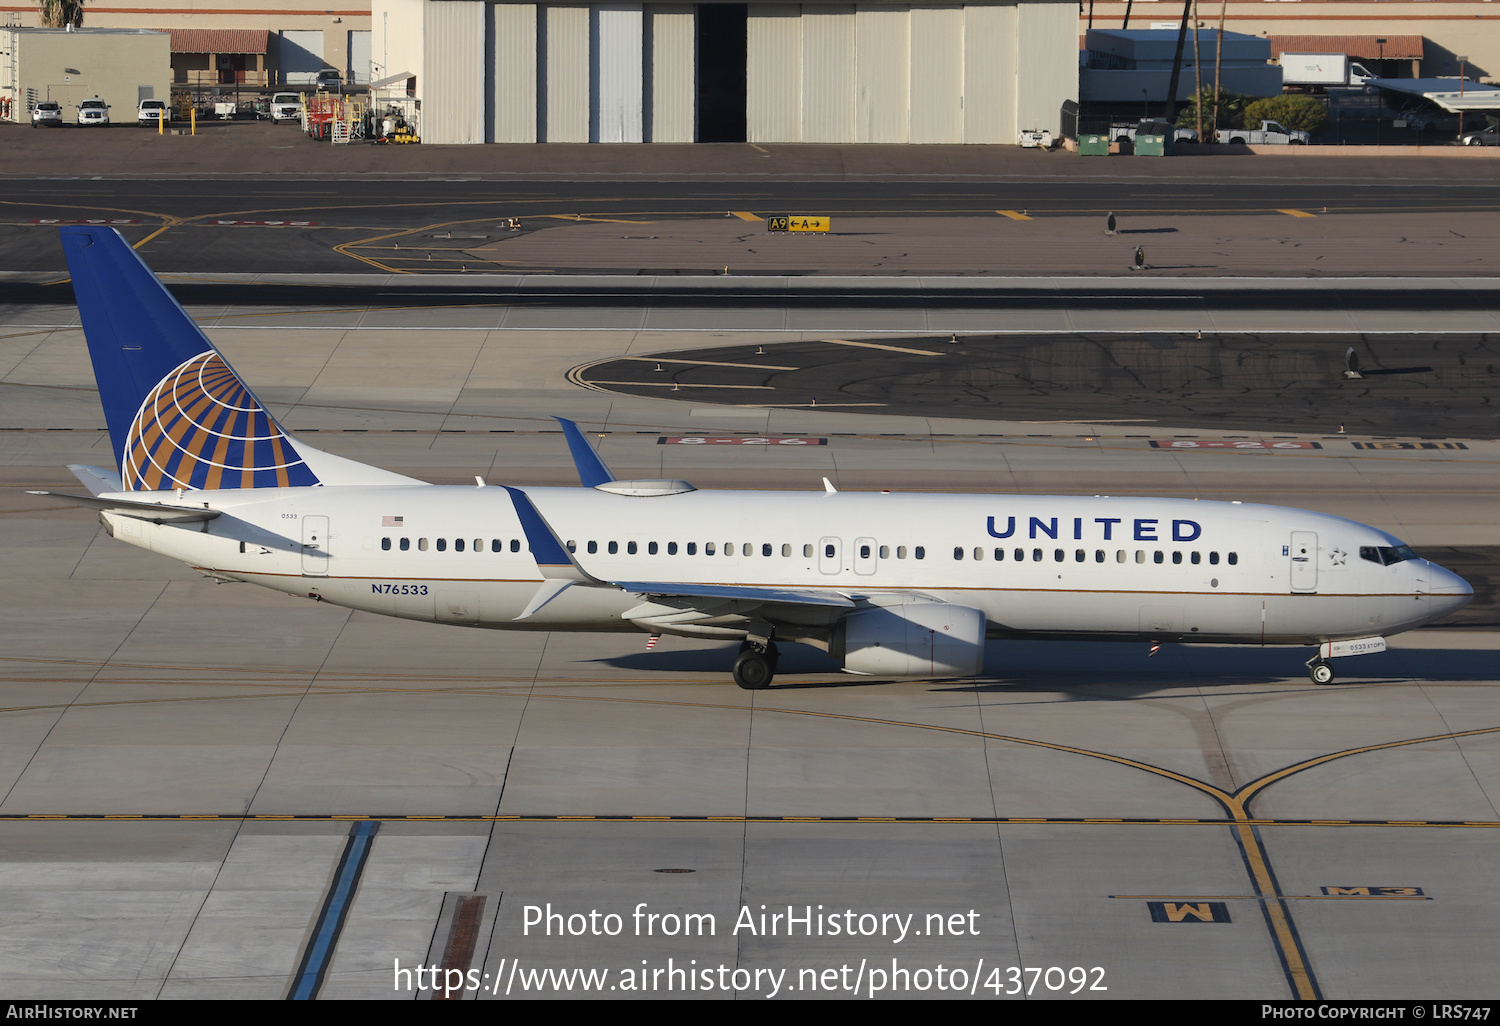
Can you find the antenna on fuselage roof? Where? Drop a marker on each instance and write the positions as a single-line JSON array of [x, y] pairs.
[[829, 488]]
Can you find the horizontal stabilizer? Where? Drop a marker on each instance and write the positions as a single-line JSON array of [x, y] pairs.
[[743, 593], [156, 512], [96, 479]]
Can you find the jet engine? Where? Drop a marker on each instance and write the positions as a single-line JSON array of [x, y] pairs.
[[915, 639]]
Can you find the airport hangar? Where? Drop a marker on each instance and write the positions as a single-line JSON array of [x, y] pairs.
[[815, 72]]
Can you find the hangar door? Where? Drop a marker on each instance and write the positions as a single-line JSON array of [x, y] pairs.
[[358, 72], [299, 53]]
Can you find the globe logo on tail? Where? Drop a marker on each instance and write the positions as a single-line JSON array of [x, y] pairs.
[[201, 428]]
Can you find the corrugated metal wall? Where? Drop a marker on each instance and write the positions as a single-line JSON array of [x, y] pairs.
[[773, 68], [1042, 81], [565, 76], [827, 73], [937, 74], [815, 72], [670, 72], [453, 103], [618, 43], [513, 76], [990, 42], [882, 73]]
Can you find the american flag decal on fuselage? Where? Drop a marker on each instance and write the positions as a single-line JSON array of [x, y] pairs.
[[200, 427]]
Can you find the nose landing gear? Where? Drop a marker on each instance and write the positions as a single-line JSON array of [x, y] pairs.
[[1320, 671]]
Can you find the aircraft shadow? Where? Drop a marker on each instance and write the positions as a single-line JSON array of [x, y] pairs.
[[1057, 663]]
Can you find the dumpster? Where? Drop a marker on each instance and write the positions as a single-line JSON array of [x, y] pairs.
[[1093, 145], [1154, 139]]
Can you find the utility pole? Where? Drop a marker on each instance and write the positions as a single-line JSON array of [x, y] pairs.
[[1169, 106]]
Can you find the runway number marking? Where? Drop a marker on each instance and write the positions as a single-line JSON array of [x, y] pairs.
[[1228, 443], [1364, 891], [703, 440], [83, 220], [265, 224], [1409, 445]]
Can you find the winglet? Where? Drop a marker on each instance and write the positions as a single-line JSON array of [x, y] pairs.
[[591, 469], [552, 557]]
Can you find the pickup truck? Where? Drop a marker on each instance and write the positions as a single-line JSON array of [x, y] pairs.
[[1268, 132], [151, 112], [286, 107]]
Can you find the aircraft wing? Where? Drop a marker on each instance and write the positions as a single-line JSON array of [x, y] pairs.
[[738, 592], [155, 512]]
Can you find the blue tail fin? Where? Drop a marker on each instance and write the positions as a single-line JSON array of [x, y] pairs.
[[178, 414]]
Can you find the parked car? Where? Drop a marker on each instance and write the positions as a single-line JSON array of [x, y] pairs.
[[329, 79], [48, 113], [151, 112], [1485, 137], [93, 112], [286, 107]]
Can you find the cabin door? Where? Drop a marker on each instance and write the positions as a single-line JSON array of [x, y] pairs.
[[1304, 556]]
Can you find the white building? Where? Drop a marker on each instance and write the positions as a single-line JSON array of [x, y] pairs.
[[817, 71]]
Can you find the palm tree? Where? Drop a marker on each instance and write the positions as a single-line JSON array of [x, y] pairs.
[[61, 13]]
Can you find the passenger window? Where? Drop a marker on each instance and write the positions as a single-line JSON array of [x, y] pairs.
[[1098, 555], [405, 544], [709, 549], [1140, 555], [885, 552], [1177, 557], [496, 545], [807, 552], [1020, 555], [458, 544], [729, 548], [651, 549], [828, 551], [692, 548], [515, 546], [765, 549], [442, 544], [958, 552], [1058, 555], [900, 551], [1234, 557], [978, 553], [593, 547], [614, 548], [421, 544], [920, 552], [1197, 558], [999, 555], [1079, 556], [864, 552], [1156, 557], [786, 550], [630, 548], [671, 548], [385, 544], [1119, 555], [1213, 559], [1036, 555]]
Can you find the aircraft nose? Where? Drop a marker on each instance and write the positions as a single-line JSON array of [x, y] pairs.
[[1450, 592]]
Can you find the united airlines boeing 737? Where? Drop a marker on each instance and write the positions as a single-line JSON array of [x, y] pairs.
[[887, 584]]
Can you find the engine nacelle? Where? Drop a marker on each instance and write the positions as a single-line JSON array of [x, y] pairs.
[[916, 639]]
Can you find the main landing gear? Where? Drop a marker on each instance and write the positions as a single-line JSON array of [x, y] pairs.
[[756, 665], [1321, 672]]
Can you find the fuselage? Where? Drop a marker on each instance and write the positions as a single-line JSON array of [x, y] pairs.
[[1036, 566]]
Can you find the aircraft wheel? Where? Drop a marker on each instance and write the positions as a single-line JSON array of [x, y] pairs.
[[1321, 673], [753, 671]]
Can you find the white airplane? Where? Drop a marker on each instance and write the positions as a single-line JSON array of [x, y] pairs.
[[887, 584]]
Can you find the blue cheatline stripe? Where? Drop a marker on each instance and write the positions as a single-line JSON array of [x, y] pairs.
[[335, 910]]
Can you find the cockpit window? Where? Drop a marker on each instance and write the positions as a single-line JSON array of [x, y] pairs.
[[1386, 555]]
